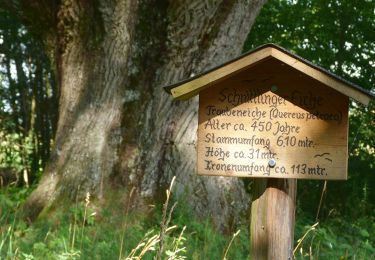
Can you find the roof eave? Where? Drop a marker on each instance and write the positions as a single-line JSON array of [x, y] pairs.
[[190, 87]]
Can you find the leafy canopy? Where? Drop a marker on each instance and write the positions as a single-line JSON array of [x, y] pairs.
[[337, 35]]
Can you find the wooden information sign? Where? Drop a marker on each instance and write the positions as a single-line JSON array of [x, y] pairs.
[[273, 115], [272, 121]]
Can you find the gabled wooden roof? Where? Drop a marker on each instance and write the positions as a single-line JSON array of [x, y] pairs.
[[192, 86]]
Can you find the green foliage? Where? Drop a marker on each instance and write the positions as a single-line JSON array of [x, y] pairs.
[[322, 241], [72, 234], [337, 35], [15, 151]]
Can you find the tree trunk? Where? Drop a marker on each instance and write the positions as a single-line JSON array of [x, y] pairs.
[[117, 127]]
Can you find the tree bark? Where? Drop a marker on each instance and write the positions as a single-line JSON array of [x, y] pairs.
[[117, 127]]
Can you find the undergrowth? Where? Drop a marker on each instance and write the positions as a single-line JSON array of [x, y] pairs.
[[335, 238], [80, 233]]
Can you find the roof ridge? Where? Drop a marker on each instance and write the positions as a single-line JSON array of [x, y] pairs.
[[352, 85]]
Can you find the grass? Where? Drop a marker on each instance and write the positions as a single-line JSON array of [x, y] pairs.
[[80, 234], [170, 233], [335, 238]]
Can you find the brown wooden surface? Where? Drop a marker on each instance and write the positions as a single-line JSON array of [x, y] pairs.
[[192, 87], [321, 77], [272, 219], [303, 126]]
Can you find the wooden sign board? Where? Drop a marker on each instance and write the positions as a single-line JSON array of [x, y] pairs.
[[273, 121]]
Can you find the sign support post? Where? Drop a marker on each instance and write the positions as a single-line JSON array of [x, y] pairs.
[[272, 218]]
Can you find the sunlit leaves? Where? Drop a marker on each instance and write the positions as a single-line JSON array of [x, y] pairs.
[[337, 35]]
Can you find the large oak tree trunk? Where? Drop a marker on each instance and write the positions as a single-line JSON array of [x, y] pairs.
[[117, 128]]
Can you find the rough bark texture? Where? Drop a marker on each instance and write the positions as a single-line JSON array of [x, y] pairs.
[[117, 127]]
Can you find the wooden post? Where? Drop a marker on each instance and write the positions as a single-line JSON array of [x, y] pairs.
[[272, 219]]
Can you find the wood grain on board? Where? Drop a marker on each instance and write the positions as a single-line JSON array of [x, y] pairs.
[[195, 85], [273, 112], [272, 218]]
